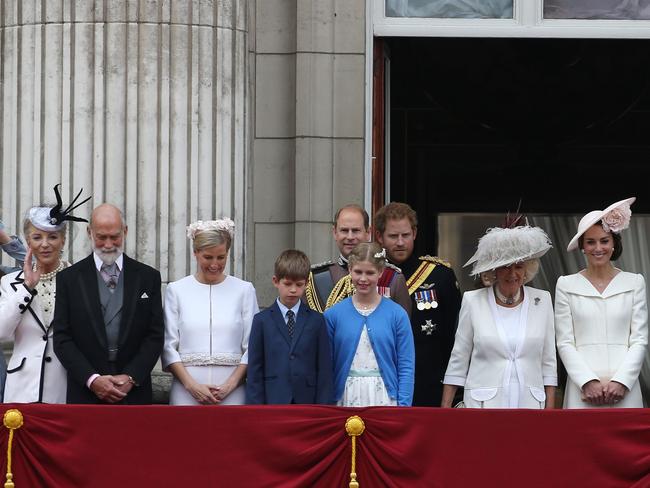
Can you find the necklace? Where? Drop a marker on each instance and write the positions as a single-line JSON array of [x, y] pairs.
[[362, 306], [601, 282], [51, 274], [507, 300]]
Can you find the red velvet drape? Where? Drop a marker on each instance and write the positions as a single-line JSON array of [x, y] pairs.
[[295, 446]]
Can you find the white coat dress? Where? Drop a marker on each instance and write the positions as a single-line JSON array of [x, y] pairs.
[[482, 362], [207, 329], [602, 336]]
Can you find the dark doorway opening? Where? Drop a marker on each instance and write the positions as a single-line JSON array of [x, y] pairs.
[[478, 124]]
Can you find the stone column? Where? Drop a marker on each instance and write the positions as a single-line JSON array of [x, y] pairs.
[[141, 103], [308, 62]]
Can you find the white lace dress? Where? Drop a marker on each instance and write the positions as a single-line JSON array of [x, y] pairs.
[[207, 329], [364, 386]]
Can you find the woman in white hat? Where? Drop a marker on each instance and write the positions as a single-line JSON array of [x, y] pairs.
[[601, 317], [504, 350], [34, 373]]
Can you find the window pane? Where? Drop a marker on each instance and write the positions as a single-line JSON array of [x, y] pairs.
[[470, 9], [597, 9]]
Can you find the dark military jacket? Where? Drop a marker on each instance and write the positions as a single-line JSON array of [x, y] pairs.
[[329, 283], [430, 279]]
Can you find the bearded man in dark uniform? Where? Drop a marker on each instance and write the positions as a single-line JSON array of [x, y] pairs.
[[435, 297]]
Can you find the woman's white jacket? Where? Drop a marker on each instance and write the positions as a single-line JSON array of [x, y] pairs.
[[34, 373], [602, 336], [482, 362]]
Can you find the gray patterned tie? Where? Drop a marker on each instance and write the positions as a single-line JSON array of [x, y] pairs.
[[291, 322], [110, 273]]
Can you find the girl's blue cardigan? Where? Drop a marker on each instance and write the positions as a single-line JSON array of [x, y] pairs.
[[389, 330]]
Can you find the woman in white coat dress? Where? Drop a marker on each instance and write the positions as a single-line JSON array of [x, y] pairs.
[[34, 373], [208, 317], [504, 349], [601, 317]]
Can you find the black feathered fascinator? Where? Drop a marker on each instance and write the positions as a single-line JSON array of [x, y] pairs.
[[52, 219]]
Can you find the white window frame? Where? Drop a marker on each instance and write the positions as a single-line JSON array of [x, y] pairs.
[[527, 21]]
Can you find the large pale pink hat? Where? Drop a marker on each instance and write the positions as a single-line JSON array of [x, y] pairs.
[[619, 214]]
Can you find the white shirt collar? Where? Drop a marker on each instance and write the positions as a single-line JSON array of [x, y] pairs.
[[98, 262], [284, 309]]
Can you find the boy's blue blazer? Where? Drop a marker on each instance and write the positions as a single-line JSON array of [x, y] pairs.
[[283, 371]]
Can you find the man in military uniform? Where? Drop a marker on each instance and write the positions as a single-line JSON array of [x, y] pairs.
[[329, 282], [435, 296]]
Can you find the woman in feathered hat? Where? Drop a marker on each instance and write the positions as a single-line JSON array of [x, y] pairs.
[[504, 349], [601, 317], [34, 373]]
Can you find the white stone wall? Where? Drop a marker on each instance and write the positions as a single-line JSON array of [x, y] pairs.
[[141, 103], [308, 63]]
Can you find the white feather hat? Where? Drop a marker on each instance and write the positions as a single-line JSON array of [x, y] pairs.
[[505, 246]]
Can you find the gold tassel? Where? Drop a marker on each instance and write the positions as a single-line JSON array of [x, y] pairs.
[[354, 426], [12, 420]]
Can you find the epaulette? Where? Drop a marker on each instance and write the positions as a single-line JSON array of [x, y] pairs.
[[392, 266], [435, 259], [324, 264]]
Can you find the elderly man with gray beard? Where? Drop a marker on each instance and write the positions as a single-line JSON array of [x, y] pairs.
[[108, 320]]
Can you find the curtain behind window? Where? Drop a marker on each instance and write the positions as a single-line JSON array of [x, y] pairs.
[[473, 9], [597, 9]]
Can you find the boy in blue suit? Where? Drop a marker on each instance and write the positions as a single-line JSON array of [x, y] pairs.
[[289, 355]]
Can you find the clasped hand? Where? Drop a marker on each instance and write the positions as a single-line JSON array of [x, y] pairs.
[[209, 394], [599, 393], [111, 389]]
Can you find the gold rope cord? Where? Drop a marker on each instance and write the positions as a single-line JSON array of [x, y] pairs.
[[354, 426], [12, 420], [311, 294], [342, 290]]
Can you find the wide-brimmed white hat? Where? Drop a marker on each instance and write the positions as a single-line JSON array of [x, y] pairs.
[[505, 246], [622, 214]]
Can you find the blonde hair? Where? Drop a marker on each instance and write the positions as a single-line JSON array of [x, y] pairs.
[[28, 226], [211, 238], [368, 252]]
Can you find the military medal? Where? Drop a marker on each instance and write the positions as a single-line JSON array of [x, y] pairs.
[[428, 327], [434, 301], [419, 299], [428, 299]]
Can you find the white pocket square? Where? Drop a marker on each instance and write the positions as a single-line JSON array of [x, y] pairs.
[[144, 295]]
